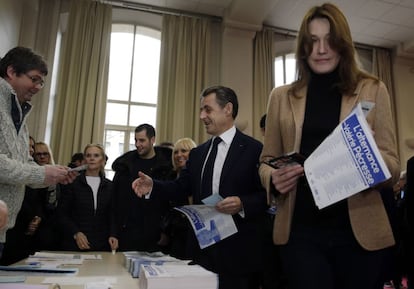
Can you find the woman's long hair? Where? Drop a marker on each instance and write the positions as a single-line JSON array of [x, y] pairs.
[[340, 40]]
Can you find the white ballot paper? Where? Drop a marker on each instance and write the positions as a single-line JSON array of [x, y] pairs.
[[209, 225], [346, 162]]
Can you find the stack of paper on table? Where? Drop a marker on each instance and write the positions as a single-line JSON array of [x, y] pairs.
[[22, 286], [35, 269], [134, 260], [176, 276]]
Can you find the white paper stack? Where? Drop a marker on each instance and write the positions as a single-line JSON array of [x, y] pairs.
[[134, 260], [176, 276]]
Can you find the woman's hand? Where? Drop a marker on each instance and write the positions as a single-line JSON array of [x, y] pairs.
[[82, 241], [285, 179], [113, 242]]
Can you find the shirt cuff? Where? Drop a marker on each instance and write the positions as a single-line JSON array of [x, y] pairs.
[[147, 196]]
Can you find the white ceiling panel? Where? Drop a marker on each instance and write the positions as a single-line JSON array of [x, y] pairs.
[[385, 23], [373, 9]]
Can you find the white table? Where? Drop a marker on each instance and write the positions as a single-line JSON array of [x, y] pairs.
[[111, 266]]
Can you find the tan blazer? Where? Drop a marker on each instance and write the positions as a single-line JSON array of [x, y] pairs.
[[285, 115]]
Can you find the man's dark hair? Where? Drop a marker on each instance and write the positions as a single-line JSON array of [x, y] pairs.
[[77, 157], [224, 95], [22, 60], [263, 121], [149, 130]]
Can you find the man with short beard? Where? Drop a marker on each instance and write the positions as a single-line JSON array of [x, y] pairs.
[[134, 233]]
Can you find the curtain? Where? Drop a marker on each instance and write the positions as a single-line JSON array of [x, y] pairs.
[[40, 22], [186, 66], [79, 116], [263, 75], [382, 68]]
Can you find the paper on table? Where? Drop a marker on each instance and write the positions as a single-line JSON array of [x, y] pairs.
[[78, 280], [12, 279], [176, 276], [98, 285], [38, 269], [22, 286], [347, 162], [55, 256]]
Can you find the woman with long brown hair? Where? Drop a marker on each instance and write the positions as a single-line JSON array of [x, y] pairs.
[[340, 246]]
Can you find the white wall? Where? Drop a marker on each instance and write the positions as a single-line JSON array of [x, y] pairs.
[[10, 19]]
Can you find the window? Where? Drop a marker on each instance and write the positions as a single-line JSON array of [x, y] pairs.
[[285, 69], [132, 86]]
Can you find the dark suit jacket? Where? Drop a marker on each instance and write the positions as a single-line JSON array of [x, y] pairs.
[[409, 190], [239, 253], [409, 202]]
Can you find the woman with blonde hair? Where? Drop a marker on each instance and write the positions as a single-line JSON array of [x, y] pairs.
[[86, 213], [181, 151], [43, 154], [173, 226]]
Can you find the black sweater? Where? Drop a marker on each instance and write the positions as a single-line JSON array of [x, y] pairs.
[[323, 106]]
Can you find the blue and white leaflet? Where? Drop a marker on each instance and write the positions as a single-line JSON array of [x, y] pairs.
[[347, 162]]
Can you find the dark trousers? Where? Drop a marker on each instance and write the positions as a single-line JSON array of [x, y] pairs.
[[136, 239], [272, 275], [329, 259], [233, 282]]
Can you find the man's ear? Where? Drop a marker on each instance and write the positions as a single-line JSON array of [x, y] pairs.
[[228, 108], [10, 71]]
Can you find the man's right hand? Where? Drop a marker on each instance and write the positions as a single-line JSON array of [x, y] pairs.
[[82, 241], [142, 185], [55, 174], [4, 214]]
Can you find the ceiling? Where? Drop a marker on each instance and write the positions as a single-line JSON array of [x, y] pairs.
[[383, 23]]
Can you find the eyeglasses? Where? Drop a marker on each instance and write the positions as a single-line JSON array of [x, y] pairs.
[[36, 80], [45, 154]]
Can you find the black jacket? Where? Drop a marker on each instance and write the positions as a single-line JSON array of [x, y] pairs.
[[240, 253], [139, 219], [76, 213]]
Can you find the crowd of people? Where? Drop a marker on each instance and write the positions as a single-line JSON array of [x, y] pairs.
[[283, 240]]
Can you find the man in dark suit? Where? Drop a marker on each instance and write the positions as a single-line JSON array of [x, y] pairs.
[[236, 259]]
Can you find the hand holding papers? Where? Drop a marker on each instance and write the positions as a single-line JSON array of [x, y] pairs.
[[289, 159], [79, 168], [347, 162], [212, 200], [209, 225]]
